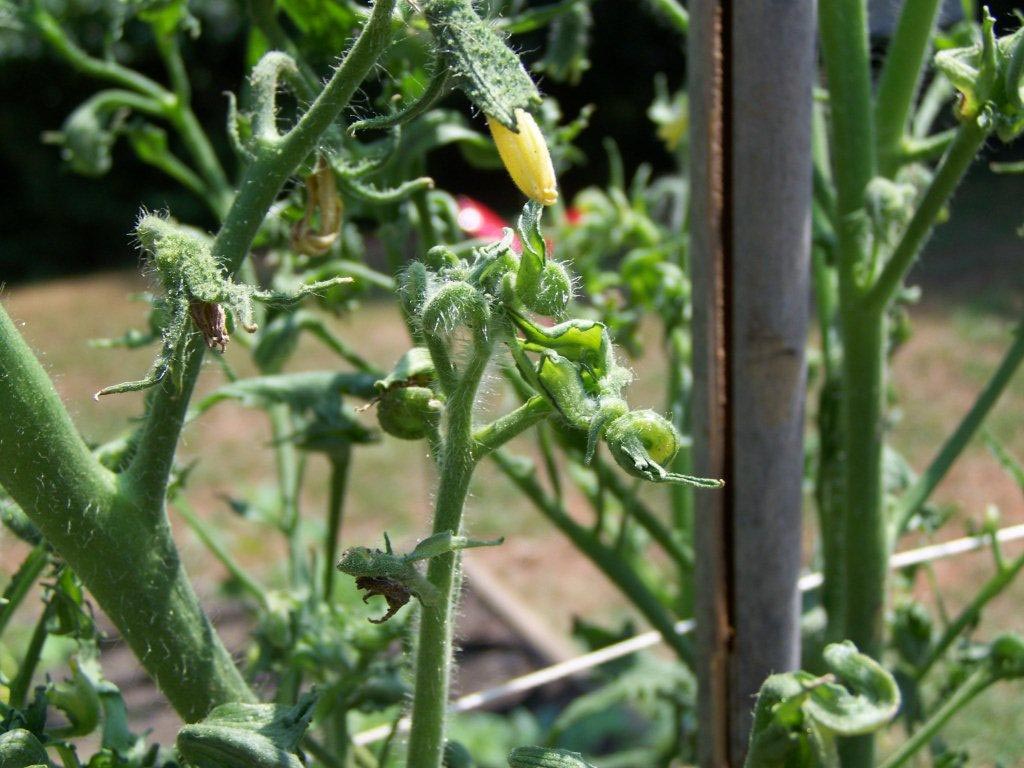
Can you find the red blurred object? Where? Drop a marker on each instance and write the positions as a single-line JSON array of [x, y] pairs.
[[477, 220]]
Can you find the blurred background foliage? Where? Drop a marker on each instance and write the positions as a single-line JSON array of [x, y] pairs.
[[55, 222]]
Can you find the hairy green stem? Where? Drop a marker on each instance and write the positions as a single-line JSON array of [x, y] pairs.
[[900, 78], [123, 553], [844, 45], [915, 496], [607, 560], [503, 429], [72, 499], [260, 186], [434, 648], [978, 681]]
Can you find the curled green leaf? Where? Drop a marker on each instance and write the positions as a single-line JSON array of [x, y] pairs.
[[480, 62], [247, 736]]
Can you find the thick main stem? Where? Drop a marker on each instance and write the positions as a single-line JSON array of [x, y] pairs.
[[865, 532], [123, 554], [434, 649]]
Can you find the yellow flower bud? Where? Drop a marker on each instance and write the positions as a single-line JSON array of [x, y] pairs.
[[526, 157]]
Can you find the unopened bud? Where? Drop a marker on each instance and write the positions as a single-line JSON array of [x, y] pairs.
[[526, 157]]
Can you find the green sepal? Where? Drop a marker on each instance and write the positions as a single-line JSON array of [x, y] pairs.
[[414, 368], [482, 65], [561, 383], [247, 736], [409, 412], [585, 342]]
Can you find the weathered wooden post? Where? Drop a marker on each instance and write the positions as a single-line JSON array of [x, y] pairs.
[[751, 73]]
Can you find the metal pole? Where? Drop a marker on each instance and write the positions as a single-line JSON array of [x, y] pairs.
[[751, 69]]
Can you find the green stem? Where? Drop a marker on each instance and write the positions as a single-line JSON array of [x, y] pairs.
[[263, 180], [503, 429], [27, 669], [901, 75], [335, 507], [71, 498], [971, 687], [969, 139], [618, 572], [866, 546], [922, 489], [434, 649], [928, 148], [970, 615], [864, 534], [264, 14], [212, 542], [844, 44], [22, 581], [218, 193]]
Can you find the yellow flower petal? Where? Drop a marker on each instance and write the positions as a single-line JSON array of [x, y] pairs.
[[526, 157]]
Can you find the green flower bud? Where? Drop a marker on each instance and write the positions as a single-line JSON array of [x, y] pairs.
[[456, 304], [642, 442], [542, 757], [409, 413], [20, 749], [412, 287], [441, 256], [640, 437], [456, 756], [542, 285], [553, 290], [1007, 655]]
